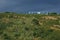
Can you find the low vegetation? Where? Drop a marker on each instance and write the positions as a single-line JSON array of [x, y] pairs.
[[29, 26]]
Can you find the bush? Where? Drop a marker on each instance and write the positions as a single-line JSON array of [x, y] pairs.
[[50, 30], [41, 32], [1, 32], [17, 35], [7, 12], [53, 13], [26, 28], [35, 21], [23, 22], [3, 26], [11, 16], [6, 37], [36, 32]]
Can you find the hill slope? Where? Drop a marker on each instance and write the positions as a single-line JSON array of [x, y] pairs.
[[29, 27]]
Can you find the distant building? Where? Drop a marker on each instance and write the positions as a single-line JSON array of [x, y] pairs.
[[41, 12], [38, 12], [34, 12]]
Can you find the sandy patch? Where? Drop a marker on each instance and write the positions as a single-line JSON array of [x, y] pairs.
[[56, 27], [6, 20], [50, 17]]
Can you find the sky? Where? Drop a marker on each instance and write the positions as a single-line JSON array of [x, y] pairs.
[[29, 5]]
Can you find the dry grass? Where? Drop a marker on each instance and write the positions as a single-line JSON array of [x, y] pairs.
[[5, 20], [50, 17], [54, 28]]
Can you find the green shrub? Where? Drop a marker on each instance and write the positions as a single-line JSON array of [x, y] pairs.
[[3, 26], [53, 13], [41, 32], [26, 28], [6, 37], [50, 30], [23, 22], [17, 35], [36, 32], [35, 22], [1, 32]]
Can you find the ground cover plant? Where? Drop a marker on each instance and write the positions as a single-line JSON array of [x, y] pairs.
[[15, 26]]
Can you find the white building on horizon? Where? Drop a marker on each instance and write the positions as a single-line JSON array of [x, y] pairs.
[[41, 12], [38, 12], [34, 12]]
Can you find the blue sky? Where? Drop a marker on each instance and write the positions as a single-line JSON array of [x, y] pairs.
[[29, 5]]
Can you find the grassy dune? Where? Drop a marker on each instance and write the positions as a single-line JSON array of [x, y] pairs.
[[29, 27]]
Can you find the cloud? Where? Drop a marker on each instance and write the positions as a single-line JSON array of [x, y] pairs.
[[2, 3], [7, 3], [29, 5]]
